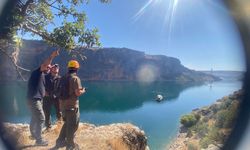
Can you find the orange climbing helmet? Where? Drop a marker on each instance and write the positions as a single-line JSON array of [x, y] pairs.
[[73, 64]]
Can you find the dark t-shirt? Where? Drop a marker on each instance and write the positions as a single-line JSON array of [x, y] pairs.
[[36, 85], [52, 84]]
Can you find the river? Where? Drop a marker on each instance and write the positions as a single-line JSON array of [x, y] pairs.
[[108, 102]]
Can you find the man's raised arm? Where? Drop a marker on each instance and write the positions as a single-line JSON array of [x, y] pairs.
[[48, 61]]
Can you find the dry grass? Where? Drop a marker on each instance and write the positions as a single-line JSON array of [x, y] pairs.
[[117, 144]]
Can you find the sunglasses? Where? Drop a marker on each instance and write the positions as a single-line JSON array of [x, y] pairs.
[[55, 65]]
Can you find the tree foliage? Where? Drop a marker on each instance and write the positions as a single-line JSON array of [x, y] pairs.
[[59, 22]]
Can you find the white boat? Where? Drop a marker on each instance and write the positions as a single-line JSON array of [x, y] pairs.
[[159, 97]]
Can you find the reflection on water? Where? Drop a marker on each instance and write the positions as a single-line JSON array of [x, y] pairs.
[[100, 96], [13, 99], [113, 102], [124, 96]]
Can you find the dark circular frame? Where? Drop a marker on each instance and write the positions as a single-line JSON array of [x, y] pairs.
[[243, 118]]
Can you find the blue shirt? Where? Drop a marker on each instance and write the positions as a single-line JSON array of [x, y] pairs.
[[36, 85]]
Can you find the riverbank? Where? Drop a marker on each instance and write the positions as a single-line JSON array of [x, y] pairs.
[[120, 136], [207, 128]]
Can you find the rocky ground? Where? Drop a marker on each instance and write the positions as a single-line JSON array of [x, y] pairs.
[[121, 136], [179, 143]]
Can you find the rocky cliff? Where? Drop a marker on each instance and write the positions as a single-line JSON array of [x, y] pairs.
[[88, 136], [208, 128], [109, 64]]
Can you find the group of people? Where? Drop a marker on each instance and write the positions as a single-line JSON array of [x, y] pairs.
[[47, 88]]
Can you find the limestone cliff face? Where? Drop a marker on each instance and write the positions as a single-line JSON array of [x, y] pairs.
[[112, 64], [126, 64], [29, 58]]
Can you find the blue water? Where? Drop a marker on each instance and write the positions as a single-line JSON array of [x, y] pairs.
[[113, 102]]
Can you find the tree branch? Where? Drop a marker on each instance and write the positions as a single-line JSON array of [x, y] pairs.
[[14, 63], [52, 3], [61, 10], [25, 7], [33, 24], [79, 52], [41, 34]]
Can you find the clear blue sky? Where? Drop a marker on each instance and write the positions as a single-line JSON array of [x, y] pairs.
[[198, 32]]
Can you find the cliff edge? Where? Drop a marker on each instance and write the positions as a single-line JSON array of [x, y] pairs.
[[120, 136]]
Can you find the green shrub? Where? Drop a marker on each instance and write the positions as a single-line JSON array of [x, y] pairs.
[[205, 119], [201, 129], [221, 118], [192, 146], [229, 122], [188, 120], [197, 116], [215, 135], [226, 118], [189, 133], [205, 142], [215, 108], [225, 104]]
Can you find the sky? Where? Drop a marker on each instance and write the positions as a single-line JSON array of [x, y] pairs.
[[200, 33]]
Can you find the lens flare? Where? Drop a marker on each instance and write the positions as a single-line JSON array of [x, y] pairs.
[[171, 12], [142, 10], [147, 73], [170, 7]]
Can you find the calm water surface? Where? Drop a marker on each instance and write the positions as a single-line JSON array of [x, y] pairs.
[[115, 102]]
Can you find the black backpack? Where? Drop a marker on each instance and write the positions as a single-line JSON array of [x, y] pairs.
[[64, 87]]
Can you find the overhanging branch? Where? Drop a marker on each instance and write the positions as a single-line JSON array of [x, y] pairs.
[[41, 34], [15, 64]]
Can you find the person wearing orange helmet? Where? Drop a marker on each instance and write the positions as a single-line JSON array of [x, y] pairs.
[[71, 89]]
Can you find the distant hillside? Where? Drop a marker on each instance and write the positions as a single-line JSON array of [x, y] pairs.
[[108, 64], [227, 75]]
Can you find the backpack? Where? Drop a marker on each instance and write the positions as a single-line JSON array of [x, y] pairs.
[[64, 87]]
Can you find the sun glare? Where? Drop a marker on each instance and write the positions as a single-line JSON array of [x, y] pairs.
[[170, 8], [142, 10]]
